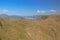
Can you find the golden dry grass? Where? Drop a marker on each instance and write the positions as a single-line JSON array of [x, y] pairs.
[[21, 29]]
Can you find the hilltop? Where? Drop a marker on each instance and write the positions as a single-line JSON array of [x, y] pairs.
[[44, 28]]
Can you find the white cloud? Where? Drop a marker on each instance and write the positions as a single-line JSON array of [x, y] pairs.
[[46, 12], [54, 11], [41, 11], [38, 11], [4, 11]]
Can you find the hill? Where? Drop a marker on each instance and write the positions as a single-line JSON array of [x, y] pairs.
[[44, 28]]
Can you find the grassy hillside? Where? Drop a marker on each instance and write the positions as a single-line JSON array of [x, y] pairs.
[[46, 28]]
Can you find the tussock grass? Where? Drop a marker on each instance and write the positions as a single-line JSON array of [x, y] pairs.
[[46, 28]]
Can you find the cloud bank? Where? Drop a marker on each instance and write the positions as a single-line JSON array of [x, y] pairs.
[[46, 12], [38, 12], [4, 11], [54, 11]]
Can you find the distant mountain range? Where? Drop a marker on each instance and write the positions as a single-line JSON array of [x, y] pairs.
[[25, 17], [9, 16]]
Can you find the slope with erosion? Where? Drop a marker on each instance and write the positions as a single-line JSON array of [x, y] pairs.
[[45, 29]]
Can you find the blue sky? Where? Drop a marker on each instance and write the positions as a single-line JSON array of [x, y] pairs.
[[29, 7]]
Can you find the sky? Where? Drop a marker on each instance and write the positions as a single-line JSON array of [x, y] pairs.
[[29, 7]]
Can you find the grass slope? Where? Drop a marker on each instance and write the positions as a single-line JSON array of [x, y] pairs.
[[20, 29]]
